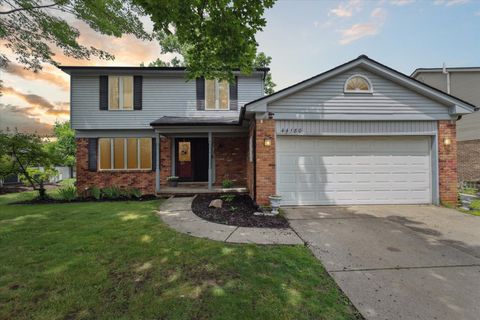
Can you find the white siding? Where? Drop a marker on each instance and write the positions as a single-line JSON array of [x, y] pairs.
[[163, 95], [389, 101]]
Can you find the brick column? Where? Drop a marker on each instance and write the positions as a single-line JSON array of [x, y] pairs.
[[447, 163], [265, 161], [165, 159]]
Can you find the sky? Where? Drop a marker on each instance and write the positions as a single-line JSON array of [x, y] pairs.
[[303, 37]]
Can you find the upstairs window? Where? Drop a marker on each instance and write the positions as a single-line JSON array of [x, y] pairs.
[[217, 95], [120, 93], [358, 84], [125, 153]]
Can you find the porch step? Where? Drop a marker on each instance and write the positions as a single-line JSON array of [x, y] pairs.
[[185, 190]]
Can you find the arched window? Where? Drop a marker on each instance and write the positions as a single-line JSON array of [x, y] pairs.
[[358, 84]]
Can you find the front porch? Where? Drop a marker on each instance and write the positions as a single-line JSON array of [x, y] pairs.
[[186, 189], [201, 156]]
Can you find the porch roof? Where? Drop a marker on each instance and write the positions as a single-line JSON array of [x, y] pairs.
[[195, 121]]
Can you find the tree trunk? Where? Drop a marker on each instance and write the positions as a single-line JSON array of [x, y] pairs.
[[42, 193]]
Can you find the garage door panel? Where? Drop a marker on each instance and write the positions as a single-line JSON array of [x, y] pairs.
[[353, 170]]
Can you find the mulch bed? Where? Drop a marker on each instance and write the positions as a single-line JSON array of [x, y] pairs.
[[238, 212], [54, 201]]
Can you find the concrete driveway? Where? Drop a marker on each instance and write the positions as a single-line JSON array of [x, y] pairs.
[[398, 262]]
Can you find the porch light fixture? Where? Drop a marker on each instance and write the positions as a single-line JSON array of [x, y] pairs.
[[267, 142], [447, 142]]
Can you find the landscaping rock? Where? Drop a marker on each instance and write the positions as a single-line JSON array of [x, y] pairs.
[[216, 203]]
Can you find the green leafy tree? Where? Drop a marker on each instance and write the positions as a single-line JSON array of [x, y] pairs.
[[30, 28], [63, 149], [7, 167], [216, 36], [27, 152], [263, 61]]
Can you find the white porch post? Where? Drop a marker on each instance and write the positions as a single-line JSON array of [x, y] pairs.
[[209, 160], [157, 163]]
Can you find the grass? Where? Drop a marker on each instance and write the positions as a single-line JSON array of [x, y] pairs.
[[117, 260]]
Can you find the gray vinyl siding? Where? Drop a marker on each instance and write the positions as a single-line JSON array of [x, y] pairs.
[[355, 128], [163, 95], [327, 100], [466, 86]]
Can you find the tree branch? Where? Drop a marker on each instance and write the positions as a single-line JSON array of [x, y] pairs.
[[31, 8]]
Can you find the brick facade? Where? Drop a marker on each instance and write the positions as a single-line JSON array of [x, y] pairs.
[[165, 160], [141, 179], [447, 163], [265, 161], [250, 164], [468, 158], [230, 160]]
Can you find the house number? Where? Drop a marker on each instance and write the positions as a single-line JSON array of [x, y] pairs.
[[291, 130]]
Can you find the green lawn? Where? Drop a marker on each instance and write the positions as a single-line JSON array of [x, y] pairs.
[[117, 260]]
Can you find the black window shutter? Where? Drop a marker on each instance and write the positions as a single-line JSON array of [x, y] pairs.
[[201, 93], [154, 154], [137, 92], [92, 154], [234, 94], [103, 92]]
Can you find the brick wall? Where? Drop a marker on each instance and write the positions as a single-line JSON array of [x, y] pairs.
[[230, 160], [143, 180], [165, 160], [468, 153], [265, 161], [447, 163]]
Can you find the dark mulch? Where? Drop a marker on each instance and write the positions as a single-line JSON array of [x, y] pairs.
[[54, 201], [238, 212]]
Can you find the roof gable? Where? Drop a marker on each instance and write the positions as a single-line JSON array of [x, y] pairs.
[[458, 106]]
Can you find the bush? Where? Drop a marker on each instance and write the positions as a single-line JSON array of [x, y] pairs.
[[135, 193], [475, 205], [469, 190], [228, 197], [96, 193], [68, 193], [112, 192], [227, 183], [67, 182]]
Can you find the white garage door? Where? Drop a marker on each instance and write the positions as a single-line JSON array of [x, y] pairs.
[[353, 170]]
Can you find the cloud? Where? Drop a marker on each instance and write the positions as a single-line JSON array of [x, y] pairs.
[[15, 118], [38, 105], [477, 13], [47, 74], [346, 10], [449, 3], [400, 3], [361, 30]]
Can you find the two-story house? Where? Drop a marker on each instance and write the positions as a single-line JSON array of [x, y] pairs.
[[464, 83], [360, 133]]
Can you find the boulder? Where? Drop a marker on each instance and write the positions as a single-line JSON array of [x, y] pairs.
[[216, 203]]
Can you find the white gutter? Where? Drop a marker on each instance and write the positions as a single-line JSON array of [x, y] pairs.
[[444, 71]]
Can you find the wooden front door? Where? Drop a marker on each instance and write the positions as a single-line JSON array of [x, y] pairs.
[[191, 159]]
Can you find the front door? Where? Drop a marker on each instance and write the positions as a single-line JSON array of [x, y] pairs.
[[191, 159]]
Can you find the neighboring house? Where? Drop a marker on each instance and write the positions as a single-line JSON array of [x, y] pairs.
[[359, 133], [463, 83]]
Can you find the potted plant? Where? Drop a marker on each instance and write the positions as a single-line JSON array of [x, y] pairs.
[[172, 181], [275, 203]]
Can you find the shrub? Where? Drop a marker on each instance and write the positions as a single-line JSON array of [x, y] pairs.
[[96, 193], [67, 182], [469, 190], [228, 197], [135, 193], [475, 205], [112, 192], [68, 193], [227, 183]]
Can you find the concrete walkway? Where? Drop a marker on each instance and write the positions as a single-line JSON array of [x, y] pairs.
[[177, 213], [398, 262]]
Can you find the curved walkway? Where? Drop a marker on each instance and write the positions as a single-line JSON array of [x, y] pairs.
[[177, 213]]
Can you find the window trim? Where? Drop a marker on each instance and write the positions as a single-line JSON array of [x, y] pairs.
[[120, 93], [125, 154], [370, 87], [217, 96]]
